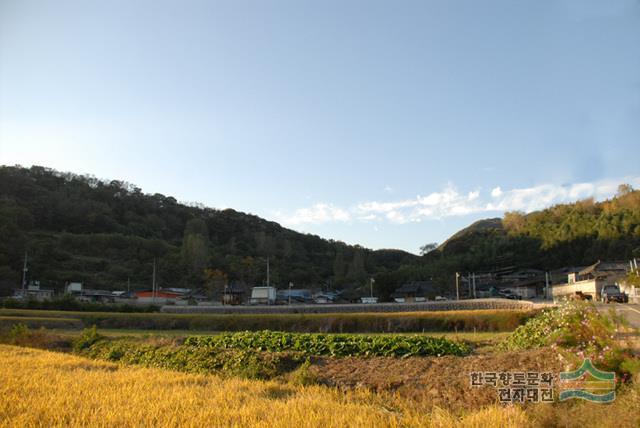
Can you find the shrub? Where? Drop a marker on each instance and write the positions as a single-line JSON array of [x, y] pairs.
[[18, 333], [88, 337], [535, 332], [302, 375]]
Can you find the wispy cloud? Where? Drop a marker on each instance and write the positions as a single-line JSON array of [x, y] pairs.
[[451, 202]]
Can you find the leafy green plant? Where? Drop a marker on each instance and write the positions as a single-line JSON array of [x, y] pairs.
[[303, 375], [536, 332], [337, 345], [226, 362], [18, 333], [88, 337]]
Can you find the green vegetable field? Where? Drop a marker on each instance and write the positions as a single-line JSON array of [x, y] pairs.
[[337, 345]]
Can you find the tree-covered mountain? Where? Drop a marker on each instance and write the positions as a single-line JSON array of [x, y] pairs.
[[574, 234], [107, 233], [566, 234]]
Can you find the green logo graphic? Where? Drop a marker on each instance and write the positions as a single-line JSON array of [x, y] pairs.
[[588, 383]]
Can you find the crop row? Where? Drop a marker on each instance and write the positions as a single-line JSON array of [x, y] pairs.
[[337, 345]]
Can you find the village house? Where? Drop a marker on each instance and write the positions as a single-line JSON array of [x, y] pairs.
[[233, 294], [160, 297], [590, 280], [415, 291], [33, 291], [528, 288]]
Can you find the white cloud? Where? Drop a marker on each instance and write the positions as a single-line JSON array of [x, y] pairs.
[[316, 214], [450, 202], [542, 196], [383, 207]]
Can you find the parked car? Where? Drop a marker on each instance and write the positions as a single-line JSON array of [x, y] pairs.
[[612, 293], [441, 298], [506, 294]]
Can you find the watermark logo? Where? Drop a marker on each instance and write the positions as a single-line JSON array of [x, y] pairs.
[[517, 387], [588, 383]]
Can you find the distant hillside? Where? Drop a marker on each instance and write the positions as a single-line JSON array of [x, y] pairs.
[[107, 234], [565, 234], [478, 226], [573, 234]]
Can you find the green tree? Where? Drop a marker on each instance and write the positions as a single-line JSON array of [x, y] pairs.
[[195, 247], [427, 248], [514, 221], [356, 271]]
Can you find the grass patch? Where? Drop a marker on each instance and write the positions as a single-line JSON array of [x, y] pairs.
[[7, 322]]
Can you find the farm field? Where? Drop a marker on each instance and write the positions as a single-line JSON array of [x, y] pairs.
[[406, 322], [123, 377], [478, 337], [42, 388], [48, 389]]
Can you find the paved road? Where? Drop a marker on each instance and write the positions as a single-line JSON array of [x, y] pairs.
[[630, 311]]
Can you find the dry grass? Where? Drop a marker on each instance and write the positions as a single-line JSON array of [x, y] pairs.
[[380, 322], [41, 388]]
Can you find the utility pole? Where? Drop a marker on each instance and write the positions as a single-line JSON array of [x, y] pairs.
[[474, 285], [128, 285], [371, 285], [153, 292], [457, 286], [267, 271], [546, 285], [24, 274], [290, 287]]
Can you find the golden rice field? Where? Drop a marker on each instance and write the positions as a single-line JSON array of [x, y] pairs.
[[41, 388]]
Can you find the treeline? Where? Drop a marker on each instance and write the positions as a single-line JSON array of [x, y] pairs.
[[107, 234]]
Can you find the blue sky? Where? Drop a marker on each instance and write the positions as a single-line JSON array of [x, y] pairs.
[[388, 124]]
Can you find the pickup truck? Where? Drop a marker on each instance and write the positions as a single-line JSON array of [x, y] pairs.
[[612, 293]]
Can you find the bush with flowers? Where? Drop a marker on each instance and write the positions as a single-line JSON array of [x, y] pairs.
[[576, 330]]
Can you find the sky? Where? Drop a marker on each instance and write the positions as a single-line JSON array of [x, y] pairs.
[[386, 124]]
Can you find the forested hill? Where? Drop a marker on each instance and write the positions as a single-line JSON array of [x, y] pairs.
[[575, 234], [105, 233], [579, 233]]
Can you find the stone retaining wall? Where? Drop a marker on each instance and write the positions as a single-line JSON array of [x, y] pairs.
[[356, 307]]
